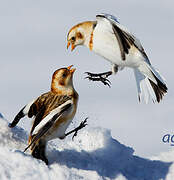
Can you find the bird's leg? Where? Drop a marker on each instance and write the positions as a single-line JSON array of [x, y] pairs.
[[39, 152], [102, 76], [82, 125]]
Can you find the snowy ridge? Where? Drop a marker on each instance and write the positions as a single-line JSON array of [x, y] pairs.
[[93, 155]]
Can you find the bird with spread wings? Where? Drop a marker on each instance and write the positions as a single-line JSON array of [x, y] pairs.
[[111, 40]]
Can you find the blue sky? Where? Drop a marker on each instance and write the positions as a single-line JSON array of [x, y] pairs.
[[33, 45]]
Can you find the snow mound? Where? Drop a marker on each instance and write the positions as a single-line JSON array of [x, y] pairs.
[[93, 155]]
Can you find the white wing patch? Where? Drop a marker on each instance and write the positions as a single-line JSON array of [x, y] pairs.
[[27, 107], [113, 21], [50, 116]]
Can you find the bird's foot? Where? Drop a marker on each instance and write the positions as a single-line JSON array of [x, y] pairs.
[[100, 77], [38, 154], [44, 159], [82, 125]]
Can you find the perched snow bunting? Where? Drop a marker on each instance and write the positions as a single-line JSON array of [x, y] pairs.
[[108, 38], [52, 111]]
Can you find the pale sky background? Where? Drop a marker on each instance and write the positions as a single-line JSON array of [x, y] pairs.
[[33, 45]]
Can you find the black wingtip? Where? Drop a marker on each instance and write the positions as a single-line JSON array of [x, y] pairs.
[[10, 125], [17, 118], [26, 149], [160, 89]]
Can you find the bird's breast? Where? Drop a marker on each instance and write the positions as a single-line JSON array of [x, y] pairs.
[[105, 44]]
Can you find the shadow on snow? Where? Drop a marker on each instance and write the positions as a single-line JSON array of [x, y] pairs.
[[110, 161]]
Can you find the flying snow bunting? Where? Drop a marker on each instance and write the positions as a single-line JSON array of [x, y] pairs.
[[108, 38], [53, 112]]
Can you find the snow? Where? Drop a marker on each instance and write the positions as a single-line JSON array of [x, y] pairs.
[[1, 116], [93, 155]]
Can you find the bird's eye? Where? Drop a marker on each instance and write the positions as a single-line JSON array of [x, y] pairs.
[[63, 75], [73, 38]]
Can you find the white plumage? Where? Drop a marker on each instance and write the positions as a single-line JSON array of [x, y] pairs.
[[111, 40]]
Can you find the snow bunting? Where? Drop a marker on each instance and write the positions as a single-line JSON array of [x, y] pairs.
[[108, 38], [53, 112]]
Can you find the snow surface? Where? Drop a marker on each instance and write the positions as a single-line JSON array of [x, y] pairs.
[[93, 155], [1, 116]]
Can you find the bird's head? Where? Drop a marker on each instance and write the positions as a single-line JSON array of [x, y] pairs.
[[62, 80], [75, 37], [79, 34]]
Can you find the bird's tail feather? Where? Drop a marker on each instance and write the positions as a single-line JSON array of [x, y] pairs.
[[150, 84]]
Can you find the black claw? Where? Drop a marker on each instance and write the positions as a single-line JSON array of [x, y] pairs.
[[99, 77], [92, 74], [106, 80], [82, 125], [103, 80], [106, 83]]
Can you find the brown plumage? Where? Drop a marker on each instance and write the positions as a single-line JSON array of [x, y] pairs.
[[53, 112], [45, 104]]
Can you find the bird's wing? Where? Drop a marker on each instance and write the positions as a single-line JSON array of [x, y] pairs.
[[23, 112], [49, 120], [31, 109], [124, 37], [46, 103]]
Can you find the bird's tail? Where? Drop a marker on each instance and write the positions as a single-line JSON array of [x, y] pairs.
[[150, 83]]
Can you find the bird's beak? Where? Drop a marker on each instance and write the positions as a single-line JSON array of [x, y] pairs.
[[68, 44], [72, 45], [71, 70]]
